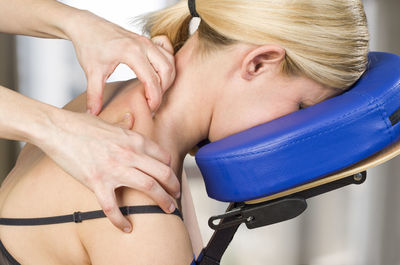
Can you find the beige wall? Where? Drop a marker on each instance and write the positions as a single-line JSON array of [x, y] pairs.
[[387, 31], [7, 79]]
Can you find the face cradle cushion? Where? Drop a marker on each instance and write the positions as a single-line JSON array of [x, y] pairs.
[[310, 143]]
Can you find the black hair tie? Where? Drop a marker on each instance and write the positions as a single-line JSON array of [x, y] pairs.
[[192, 8]]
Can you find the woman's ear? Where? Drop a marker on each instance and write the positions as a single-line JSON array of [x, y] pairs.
[[262, 59]]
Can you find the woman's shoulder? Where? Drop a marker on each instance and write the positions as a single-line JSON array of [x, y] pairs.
[[110, 91], [131, 98]]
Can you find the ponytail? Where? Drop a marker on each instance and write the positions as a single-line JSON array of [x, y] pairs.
[[172, 22]]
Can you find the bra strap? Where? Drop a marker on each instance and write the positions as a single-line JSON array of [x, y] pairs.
[[78, 217]]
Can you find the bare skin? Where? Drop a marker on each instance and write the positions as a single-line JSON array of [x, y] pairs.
[[213, 96], [23, 194], [100, 47]]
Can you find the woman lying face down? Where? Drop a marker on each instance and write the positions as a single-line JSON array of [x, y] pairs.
[[248, 63]]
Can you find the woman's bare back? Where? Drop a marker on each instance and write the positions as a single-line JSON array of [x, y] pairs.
[[37, 187]]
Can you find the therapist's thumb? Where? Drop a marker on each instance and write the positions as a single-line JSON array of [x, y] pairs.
[[126, 122], [95, 90]]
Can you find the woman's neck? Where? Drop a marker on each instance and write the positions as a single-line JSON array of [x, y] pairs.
[[182, 121]]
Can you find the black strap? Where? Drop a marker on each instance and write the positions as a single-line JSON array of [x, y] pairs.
[[79, 217], [218, 245], [7, 256], [219, 242]]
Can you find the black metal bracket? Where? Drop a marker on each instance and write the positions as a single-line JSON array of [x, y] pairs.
[[278, 210], [263, 214]]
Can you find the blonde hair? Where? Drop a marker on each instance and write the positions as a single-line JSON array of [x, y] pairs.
[[325, 40]]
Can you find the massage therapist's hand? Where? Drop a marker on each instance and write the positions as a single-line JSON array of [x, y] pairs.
[[101, 46], [105, 157], [100, 155]]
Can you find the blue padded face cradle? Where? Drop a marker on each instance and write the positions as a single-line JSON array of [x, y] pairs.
[[309, 143]]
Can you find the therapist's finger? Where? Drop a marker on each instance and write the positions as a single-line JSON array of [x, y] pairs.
[[164, 64], [161, 172], [108, 202], [148, 185], [140, 64], [164, 42], [95, 90], [147, 75]]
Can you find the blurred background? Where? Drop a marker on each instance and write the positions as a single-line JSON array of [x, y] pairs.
[[353, 226]]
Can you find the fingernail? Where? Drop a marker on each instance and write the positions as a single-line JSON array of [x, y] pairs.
[[172, 208], [178, 195], [152, 108], [127, 229]]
